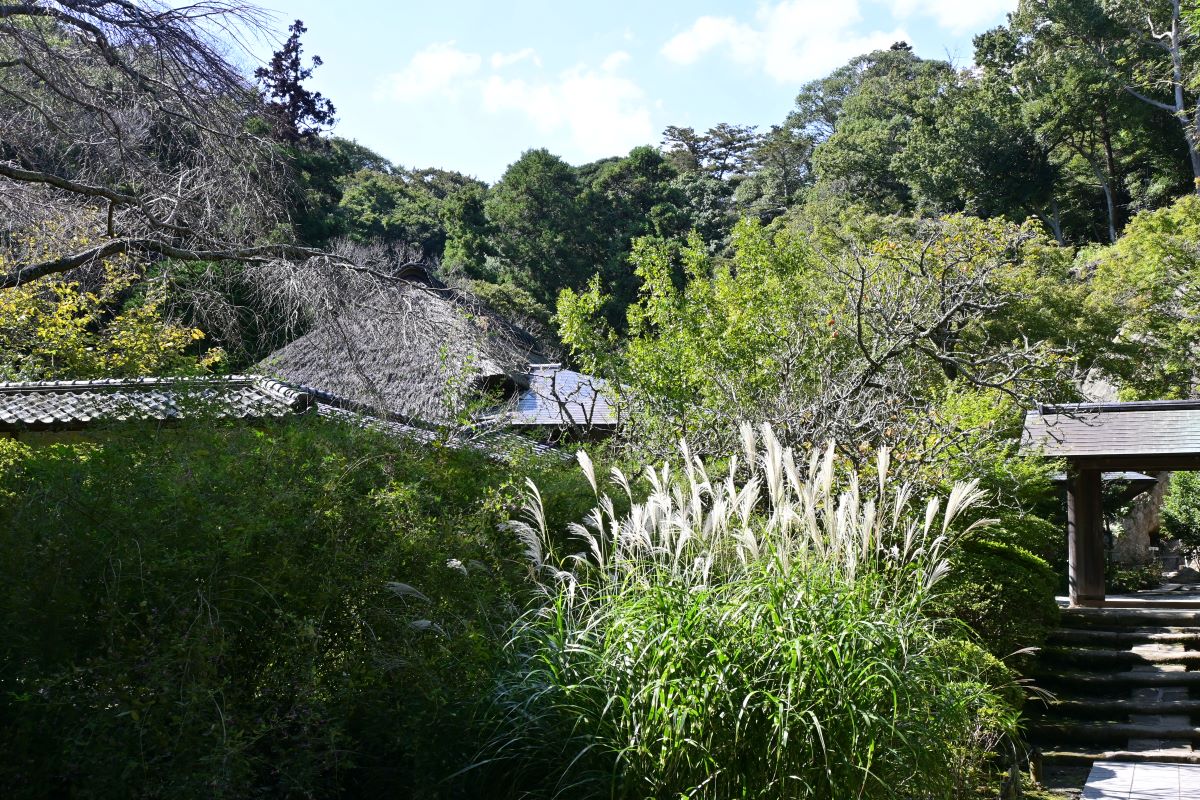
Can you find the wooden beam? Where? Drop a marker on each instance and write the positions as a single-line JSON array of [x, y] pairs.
[[1085, 538], [1182, 462]]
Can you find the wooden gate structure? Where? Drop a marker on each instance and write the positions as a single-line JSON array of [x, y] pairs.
[[1098, 438]]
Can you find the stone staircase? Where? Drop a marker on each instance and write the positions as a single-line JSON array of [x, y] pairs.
[[1125, 685]]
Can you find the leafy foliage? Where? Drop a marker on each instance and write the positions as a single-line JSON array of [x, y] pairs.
[[55, 329], [1181, 511], [211, 611], [854, 326], [1150, 279], [1003, 592]]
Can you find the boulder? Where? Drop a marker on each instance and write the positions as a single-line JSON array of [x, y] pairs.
[[1185, 575]]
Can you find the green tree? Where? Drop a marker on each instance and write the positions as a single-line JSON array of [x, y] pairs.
[[851, 328], [467, 237], [625, 199], [1150, 281], [724, 151], [857, 163], [1062, 59], [972, 152], [781, 173], [317, 176], [1160, 64], [538, 226], [1181, 511], [296, 112]]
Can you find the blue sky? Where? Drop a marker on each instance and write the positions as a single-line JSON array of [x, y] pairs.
[[470, 85]]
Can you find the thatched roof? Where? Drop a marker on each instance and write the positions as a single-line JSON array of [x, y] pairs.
[[414, 348]]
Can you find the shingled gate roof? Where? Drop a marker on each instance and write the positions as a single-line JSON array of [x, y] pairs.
[[76, 405], [1116, 435], [411, 349]]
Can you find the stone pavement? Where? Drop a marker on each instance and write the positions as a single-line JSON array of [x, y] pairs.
[[1114, 780]]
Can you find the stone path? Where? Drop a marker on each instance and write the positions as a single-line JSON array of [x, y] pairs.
[[1113, 780]]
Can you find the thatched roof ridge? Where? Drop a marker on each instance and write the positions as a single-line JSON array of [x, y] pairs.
[[412, 347]]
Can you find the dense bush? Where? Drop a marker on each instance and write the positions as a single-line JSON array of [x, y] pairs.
[[209, 611], [752, 636], [1181, 511], [1003, 592], [1125, 578]]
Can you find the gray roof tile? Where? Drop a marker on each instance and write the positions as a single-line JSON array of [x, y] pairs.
[[74, 405], [562, 397]]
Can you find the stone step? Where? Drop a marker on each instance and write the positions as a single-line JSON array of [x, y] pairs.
[[1115, 709], [1100, 658], [1115, 732], [1077, 755], [1132, 636], [1107, 681], [1118, 618]]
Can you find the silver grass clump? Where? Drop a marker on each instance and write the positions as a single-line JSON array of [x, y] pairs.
[[767, 512], [758, 631]]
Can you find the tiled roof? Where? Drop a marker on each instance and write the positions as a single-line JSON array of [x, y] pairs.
[[74, 405], [562, 398], [1095, 430], [78, 405]]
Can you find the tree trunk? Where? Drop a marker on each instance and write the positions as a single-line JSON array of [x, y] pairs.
[[1109, 202], [1110, 164], [1053, 221], [1194, 150], [1173, 40]]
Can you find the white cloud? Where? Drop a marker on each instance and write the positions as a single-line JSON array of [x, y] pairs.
[[791, 40], [957, 16], [585, 112], [438, 69], [500, 60], [600, 112], [615, 61]]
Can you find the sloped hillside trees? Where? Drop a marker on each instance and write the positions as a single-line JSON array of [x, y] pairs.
[[846, 331], [1150, 280]]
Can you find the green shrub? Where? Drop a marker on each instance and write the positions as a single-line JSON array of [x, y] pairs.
[[216, 611], [1004, 593], [1122, 578], [1181, 511], [1030, 532], [761, 638]]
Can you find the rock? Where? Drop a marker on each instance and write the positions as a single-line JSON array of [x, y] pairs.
[[1186, 575]]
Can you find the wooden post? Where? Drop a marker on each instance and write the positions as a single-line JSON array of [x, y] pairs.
[[1085, 538]]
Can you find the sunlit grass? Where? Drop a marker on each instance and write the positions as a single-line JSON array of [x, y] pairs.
[[758, 634]]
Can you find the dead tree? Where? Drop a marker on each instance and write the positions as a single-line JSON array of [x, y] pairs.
[[128, 118]]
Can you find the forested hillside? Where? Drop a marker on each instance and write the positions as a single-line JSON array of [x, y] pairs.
[[1074, 115]]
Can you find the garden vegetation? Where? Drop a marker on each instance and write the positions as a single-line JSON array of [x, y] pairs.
[[910, 259], [762, 633]]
